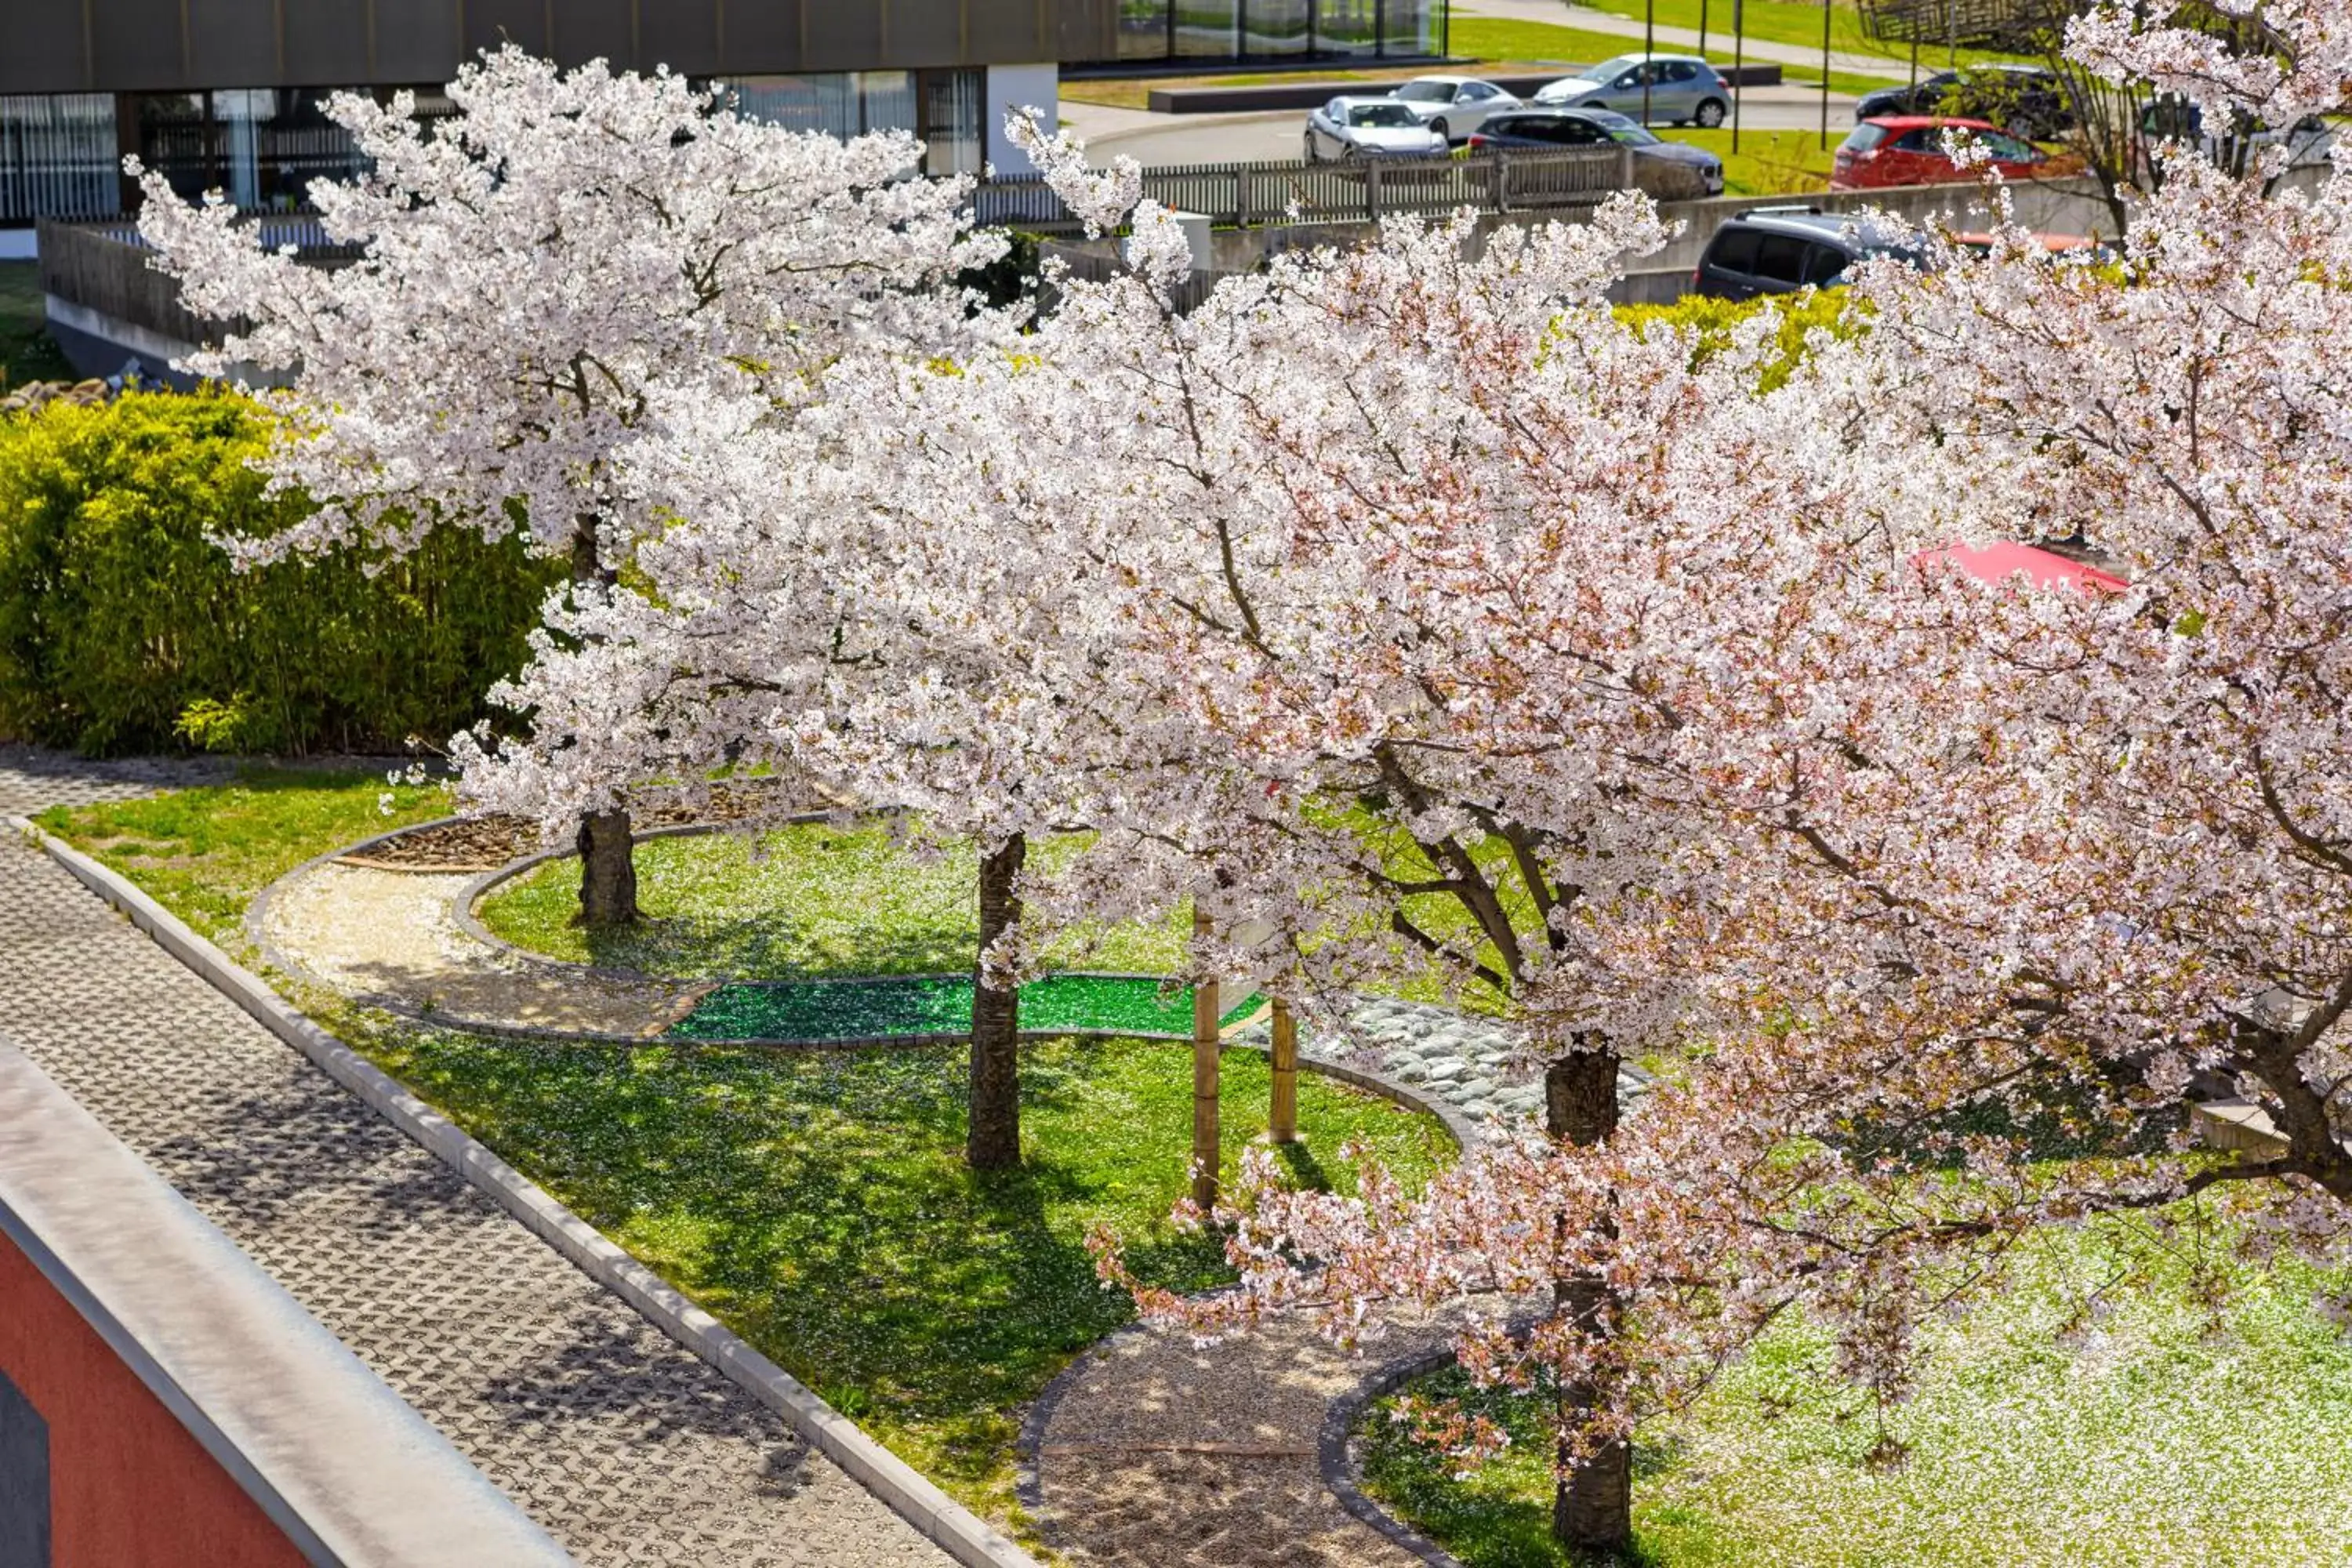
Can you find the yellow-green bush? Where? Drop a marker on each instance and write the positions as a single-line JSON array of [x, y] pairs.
[[124, 626], [1711, 321]]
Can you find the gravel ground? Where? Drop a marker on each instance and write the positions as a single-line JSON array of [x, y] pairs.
[[387, 938]]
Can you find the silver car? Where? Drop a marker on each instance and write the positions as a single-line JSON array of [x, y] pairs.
[[1682, 89], [1369, 127], [1453, 106]]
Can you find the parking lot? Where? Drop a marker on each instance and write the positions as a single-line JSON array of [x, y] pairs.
[[1160, 140]]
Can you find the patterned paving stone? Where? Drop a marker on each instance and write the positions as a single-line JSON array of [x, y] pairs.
[[33, 778], [625, 1446]]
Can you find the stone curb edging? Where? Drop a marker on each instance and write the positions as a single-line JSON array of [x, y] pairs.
[[961, 1534], [1335, 1458]]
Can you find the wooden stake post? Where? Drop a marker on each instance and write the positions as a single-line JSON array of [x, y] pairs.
[[1204, 1082], [1283, 1124]]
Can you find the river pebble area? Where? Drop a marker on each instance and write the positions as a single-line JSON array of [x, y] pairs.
[[1464, 1061]]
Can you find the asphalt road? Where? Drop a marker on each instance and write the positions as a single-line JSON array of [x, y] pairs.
[[1159, 140]]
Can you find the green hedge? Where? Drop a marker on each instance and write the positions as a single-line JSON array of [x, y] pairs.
[[124, 627], [1710, 321]]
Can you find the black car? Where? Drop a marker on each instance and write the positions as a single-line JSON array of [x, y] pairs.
[[2027, 101], [1539, 129], [1779, 251]]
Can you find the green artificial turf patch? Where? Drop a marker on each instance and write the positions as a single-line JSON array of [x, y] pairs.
[[931, 1005]]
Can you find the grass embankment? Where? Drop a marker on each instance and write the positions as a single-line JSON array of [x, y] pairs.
[[2096, 1411], [27, 352], [816, 1200]]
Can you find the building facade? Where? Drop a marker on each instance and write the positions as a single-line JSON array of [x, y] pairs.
[[225, 94], [1211, 32]]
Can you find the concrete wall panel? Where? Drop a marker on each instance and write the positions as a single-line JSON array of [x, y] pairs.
[[232, 42], [135, 43], [41, 48], [325, 44], [596, 29], [416, 41]]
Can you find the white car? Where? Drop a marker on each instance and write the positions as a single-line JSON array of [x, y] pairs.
[[1369, 127], [1453, 106]]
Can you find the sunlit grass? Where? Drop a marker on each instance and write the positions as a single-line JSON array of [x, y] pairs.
[[206, 853], [818, 1203], [2055, 1422], [806, 901]]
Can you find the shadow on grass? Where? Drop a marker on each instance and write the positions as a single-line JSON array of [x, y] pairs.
[[819, 1202]]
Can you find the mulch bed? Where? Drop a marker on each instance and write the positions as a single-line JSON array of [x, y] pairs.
[[488, 842]]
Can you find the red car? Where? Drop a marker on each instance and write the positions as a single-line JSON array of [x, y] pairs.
[[1908, 150]]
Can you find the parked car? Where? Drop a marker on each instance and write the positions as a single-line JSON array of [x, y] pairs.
[[1453, 106], [1682, 89], [2028, 102], [1369, 127], [1779, 251], [2310, 141], [1908, 150], [1670, 166]]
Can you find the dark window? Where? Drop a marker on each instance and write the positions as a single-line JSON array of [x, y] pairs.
[[1734, 251], [1824, 264], [24, 1480], [1863, 138], [1924, 140], [1576, 133], [1781, 258], [1681, 70]]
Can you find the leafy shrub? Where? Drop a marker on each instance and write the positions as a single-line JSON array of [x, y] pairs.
[[125, 626], [1710, 321]]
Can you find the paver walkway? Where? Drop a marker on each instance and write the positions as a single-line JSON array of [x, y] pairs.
[[622, 1444], [1160, 1455]]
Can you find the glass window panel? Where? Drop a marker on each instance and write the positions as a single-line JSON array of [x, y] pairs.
[[951, 127], [885, 101], [58, 157], [826, 102], [1277, 28], [175, 141], [1347, 27], [1208, 27], [1143, 29], [1412, 26]]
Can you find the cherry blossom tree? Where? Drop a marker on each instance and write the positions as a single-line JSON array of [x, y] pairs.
[[569, 274]]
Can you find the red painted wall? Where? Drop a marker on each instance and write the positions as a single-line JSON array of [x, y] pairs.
[[129, 1488]]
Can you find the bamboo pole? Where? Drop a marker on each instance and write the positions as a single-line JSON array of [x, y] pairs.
[[1283, 1124], [1205, 1082]]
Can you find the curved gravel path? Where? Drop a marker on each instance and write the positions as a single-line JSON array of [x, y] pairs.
[[390, 938]]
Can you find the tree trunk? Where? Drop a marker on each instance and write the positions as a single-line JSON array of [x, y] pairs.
[[608, 864], [1206, 1144], [608, 872], [1592, 1508], [993, 1140]]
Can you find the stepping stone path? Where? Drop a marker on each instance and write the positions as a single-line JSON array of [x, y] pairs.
[[1471, 1064]]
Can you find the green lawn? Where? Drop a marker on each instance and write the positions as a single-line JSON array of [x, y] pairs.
[[805, 901], [1769, 162], [818, 1203], [206, 852], [2154, 1430], [1787, 22], [27, 352]]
